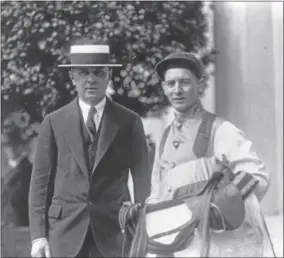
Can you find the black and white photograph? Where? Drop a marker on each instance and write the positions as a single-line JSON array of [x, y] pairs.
[[141, 129]]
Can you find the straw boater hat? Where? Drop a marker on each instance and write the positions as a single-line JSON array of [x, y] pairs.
[[87, 52], [181, 59]]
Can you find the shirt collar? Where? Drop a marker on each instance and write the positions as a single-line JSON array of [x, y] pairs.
[[192, 113], [86, 107]]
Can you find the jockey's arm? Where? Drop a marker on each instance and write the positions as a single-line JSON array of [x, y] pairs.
[[235, 151], [250, 176]]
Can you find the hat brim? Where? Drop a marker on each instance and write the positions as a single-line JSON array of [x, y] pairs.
[[89, 65], [163, 65]]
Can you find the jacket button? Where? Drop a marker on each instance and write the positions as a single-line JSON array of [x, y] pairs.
[[170, 190]]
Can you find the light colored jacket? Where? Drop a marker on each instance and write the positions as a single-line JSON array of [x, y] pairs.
[[228, 148]]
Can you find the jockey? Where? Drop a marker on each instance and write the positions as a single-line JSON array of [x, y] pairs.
[[185, 156]]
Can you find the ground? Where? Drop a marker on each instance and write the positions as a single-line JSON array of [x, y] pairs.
[[16, 243]]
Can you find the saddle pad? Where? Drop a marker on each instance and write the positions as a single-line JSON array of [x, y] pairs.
[[167, 219]]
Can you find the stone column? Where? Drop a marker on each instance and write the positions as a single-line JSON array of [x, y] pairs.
[[249, 81]]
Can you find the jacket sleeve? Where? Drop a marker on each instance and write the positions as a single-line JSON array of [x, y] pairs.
[[245, 171], [44, 164], [236, 152], [140, 168]]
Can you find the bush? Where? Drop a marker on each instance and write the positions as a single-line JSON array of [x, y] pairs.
[[35, 37]]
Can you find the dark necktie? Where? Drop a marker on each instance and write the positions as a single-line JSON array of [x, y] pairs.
[[91, 123]]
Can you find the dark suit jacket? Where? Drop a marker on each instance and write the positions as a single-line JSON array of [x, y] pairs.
[[64, 201]]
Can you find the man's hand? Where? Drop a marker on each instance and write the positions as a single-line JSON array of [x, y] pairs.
[[40, 248]]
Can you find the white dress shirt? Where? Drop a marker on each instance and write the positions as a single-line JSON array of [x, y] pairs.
[[98, 115]]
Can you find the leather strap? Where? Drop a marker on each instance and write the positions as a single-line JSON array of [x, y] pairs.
[[163, 140], [268, 235], [205, 228], [203, 135]]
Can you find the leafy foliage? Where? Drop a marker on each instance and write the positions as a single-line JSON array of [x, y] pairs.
[[36, 36]]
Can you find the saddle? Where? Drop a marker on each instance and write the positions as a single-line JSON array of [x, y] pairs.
[[195, 206]]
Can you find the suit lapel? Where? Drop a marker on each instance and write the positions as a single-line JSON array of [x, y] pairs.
[[74, 135], [108, 130]]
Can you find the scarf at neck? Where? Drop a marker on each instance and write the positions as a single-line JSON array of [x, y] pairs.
[[192, 112]]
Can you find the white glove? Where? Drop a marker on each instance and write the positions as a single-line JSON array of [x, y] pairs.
[[40, 248]]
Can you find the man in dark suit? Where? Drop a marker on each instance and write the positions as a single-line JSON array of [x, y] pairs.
[[82, 162]]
